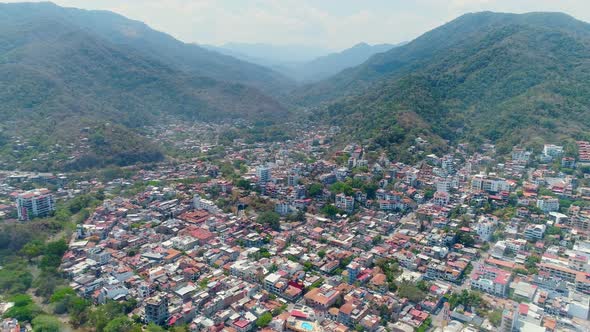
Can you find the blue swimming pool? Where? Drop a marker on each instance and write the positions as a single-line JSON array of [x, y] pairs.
[[307, 326]]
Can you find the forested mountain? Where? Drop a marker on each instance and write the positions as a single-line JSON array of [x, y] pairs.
[[505, 77], [333, 63], [301, 63], [58, 74], [162, 47]]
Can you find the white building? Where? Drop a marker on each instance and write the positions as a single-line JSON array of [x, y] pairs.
[[443, 185], [535, 232], [99, 255], [441, 198], [485, 230], [282, 208], [552, 151], [521, 155], [35, 203], [491, 280], [272, 284], [548, 204], [579, 305], [499, 249], [204, 204], [515, 245], [489, 184], [263, 174], [345, 203]]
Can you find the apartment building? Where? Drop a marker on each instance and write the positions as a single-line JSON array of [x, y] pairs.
[[35, 203]]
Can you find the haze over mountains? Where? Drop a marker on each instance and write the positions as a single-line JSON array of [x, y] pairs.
[[506, 78], [271, 55], [303, 64]]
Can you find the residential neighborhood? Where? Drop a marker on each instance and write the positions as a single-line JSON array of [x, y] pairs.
[[297, 236]]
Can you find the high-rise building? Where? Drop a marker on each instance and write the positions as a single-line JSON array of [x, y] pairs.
[[509, 320], [292, 179], [353, 271], [35, 203], [345, 203], [263, 174], [156, 310]]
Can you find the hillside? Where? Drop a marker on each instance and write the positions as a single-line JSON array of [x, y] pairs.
[[300, 63], [57, 77], [333, 63], [161, 47], [505, 77]]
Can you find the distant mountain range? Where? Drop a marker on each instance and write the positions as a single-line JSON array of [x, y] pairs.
[[508, 78], [300, 63], [270, 55]]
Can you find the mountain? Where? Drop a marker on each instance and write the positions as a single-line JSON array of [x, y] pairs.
[[331, 64], [302, 63], [58, 75], [508, 78], [162, 47], [271, 55]]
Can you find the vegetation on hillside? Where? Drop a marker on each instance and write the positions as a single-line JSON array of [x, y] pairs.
[[510, 79], [62, 70]]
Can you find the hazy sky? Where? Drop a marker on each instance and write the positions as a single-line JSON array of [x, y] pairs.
[[333, 24]]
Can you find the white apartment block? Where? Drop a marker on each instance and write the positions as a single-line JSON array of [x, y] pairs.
[[35, 203]]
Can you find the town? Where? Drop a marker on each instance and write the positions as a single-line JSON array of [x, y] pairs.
[[311, 235]]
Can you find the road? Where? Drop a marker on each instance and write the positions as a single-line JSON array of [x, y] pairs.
[[437, 318]]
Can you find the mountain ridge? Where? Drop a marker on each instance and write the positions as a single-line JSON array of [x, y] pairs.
[[409, 57], [508, 78], [137, 35], [57, 77], [312, 69]]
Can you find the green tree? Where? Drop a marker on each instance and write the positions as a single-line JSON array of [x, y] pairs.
[[411, 292], [466, 239], [244, 184], [57, 248], [121, 324], [105, 314], [264, 319], [330, 210], [370, 189], [495, 317], [21, 300], [24, 309], [15, 278], [425, 325], [46, 283], [271, 219], [154, 328], [46, 323], [61, 294], [32, 249], [315, 189], [341, 187]]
